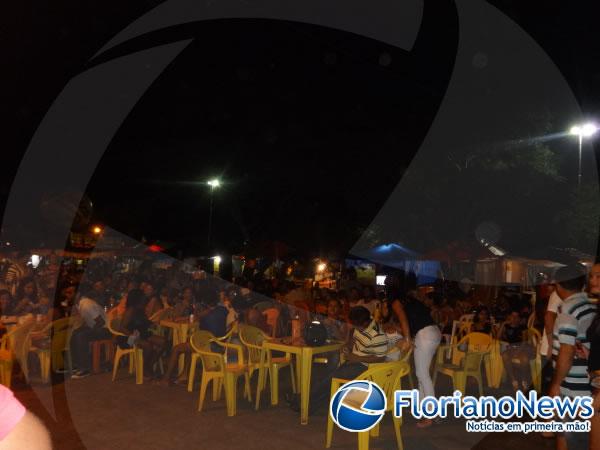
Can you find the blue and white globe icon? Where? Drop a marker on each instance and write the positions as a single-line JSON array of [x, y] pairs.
[[358, 406]]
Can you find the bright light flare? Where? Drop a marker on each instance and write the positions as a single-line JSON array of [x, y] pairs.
[[217, 259], [321, 267], [97, 230], [586, 130], [214, 183]]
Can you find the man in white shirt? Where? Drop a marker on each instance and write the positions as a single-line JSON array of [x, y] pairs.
[[94, 328]]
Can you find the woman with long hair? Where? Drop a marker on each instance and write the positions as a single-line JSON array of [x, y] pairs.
[[28, 298], [136, 327]]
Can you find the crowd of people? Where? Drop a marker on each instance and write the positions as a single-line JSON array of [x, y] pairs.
[[377, 326]]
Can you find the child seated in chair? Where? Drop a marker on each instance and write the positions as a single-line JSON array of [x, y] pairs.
[[516, 349]]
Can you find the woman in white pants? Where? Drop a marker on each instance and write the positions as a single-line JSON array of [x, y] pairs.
[[416, 321]]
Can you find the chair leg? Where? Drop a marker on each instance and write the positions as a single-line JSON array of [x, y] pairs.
[[329, 436], [247, 391], [203, 386], [459, 381], [116, 364], [215, 389], [397, 423], [259, 385], [192, 374], [220, 390], [374, 431], [363, 440], [6, 374]]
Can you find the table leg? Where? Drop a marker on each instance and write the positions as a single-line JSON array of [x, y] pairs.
[[305, 373]]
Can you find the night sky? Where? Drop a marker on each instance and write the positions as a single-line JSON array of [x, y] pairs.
[[302, 124]]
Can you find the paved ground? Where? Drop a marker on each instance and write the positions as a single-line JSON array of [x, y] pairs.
[[95, 413]]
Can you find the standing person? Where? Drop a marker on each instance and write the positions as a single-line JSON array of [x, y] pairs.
[[94, 328], [416, 322], [570, 377], [593, 356]]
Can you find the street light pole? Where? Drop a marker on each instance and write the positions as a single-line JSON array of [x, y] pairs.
[[581, 131], [579, 171], [215, 183], [210, 213]]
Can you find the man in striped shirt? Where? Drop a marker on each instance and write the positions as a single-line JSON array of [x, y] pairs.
[[574, 317]]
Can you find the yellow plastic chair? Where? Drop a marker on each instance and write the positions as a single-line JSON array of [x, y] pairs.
[[388, 377], [195, 356], [534, 338], [217, 370], [59, 332], [474, 342], [262, 360], [136, 355], [469, 366], [14, 346], [535, 365]]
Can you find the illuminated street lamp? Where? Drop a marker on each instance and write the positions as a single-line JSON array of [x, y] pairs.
[[214, 184], [97, 230], [582, 131]]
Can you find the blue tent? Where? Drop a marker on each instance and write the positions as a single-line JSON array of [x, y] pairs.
[[399, 257]]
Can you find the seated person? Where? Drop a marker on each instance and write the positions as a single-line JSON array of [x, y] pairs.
[[7, 304], [368, 345], [512, 333], [334, 322], [94, 328], [481, 321], [136, 327], [212, 319], [393, 333]]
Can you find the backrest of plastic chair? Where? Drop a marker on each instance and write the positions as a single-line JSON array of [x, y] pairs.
[[531, 320], [19, 340], [200, 342], [113, 325], [472, 361], [252, 338], [386, 376], [478, 342]]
